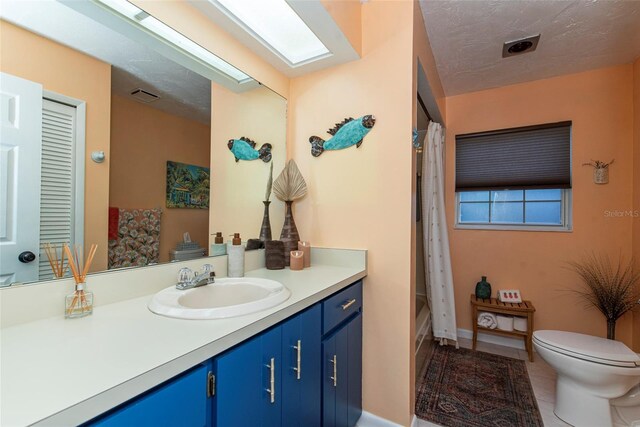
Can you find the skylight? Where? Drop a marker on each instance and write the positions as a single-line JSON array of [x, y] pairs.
[[275, 24], [174, 38]]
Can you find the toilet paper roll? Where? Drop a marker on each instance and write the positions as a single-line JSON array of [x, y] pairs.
[[520, 324], [505, 323]]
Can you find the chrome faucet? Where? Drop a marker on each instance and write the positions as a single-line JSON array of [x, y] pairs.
[[187, 279]]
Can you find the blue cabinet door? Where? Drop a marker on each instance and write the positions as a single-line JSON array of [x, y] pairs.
[[354, 331], [271, 361], [245, 394], [301, 370], [239, 388], [181, 401], [342, 375], [335, 379], [328, 385]]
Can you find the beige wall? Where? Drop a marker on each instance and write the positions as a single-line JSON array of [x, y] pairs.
[[348, 16], [238, 188], [636, 189], [361, 197], [423, 53], [68, 72], [189, 21], [143, 139], [599, 103]]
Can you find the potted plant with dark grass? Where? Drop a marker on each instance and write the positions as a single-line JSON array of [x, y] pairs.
[[612, 289]]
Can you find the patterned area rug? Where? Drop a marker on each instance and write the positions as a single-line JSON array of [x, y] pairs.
[[466, 388]]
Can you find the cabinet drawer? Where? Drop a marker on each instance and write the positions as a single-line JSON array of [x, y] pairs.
[[340, 306]]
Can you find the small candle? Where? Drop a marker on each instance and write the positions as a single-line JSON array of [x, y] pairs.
[[297, 260], [306, 248]]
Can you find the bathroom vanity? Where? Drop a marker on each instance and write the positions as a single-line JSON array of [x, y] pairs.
[[298, 363], [304, 371]]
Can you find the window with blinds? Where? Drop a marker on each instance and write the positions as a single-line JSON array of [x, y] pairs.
[[57, 196], [515, 178]]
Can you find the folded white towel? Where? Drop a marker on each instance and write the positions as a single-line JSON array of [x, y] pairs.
[[487, 320], [505, 323], [520, 324]]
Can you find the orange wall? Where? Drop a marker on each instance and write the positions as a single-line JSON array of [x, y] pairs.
[[599, 103], [423, 55], [68, 72], [348, 16], [361, 197], [239, 187], [142, 140], [636, 189]]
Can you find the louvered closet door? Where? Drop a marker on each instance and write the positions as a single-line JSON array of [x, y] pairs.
[[57, 196]]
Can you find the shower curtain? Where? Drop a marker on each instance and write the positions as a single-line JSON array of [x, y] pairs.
[[436, 240]]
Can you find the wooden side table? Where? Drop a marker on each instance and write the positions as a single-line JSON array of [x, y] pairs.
[[492, 305]]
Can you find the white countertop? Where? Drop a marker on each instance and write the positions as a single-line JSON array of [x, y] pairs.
[[64, 372]]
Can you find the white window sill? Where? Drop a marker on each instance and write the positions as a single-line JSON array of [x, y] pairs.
[[510, 227]]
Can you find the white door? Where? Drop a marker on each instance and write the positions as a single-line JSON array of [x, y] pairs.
[[59, 181], [20, 154]]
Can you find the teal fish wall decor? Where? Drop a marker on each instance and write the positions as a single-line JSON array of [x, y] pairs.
[[345, 134], [245, 149]]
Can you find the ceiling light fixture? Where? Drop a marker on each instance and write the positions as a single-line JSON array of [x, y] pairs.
[[174, 38], [517, 47], [277, 26]]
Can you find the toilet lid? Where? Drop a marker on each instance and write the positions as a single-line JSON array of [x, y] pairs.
[[588, 347]]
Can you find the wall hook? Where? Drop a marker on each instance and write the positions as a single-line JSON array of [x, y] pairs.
[[98, 156]]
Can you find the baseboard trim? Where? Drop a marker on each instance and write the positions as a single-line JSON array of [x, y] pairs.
[[493, 339], [367, 419]]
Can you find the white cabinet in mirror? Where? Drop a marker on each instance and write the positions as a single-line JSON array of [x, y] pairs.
[[105, 76]]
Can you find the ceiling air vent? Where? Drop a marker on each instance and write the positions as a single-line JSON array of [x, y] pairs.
[[144, 96], [517, 47]]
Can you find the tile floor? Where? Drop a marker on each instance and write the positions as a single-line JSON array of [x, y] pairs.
[[541, 375]]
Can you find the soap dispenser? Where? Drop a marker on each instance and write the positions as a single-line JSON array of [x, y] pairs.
[[235, 266], [218, 248]]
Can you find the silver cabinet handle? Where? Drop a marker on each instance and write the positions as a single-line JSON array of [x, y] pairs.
[[334, 360], [272, 380], [298, 367], [348, 304]]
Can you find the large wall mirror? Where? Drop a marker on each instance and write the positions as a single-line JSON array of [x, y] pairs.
[[115, 132]]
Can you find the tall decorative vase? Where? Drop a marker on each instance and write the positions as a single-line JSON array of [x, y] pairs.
[[289, 235], [265, 230]]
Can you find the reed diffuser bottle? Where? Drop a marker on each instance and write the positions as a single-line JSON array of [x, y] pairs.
[[80, 302]]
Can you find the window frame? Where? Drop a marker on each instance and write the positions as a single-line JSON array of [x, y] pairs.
[[565, 213]]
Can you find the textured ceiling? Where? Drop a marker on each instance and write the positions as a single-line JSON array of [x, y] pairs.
[[577, 35], [183, 92]]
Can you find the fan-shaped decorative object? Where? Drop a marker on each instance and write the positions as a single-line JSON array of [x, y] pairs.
[[289, 186]]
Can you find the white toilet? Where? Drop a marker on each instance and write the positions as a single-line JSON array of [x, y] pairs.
[[598, 379]]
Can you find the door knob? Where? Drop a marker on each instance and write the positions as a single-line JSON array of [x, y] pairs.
[[26, 257]]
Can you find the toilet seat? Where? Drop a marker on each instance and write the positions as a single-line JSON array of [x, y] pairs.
[[589, 348]]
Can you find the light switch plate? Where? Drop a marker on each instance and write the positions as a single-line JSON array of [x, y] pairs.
[[509, 295]]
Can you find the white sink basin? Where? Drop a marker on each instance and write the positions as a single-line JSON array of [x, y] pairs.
[[227, 297]]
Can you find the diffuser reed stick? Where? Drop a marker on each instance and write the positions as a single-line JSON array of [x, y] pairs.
[[80, 303], [57, 264]]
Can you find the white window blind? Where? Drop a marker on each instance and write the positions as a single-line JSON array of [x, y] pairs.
[[57, 197]]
